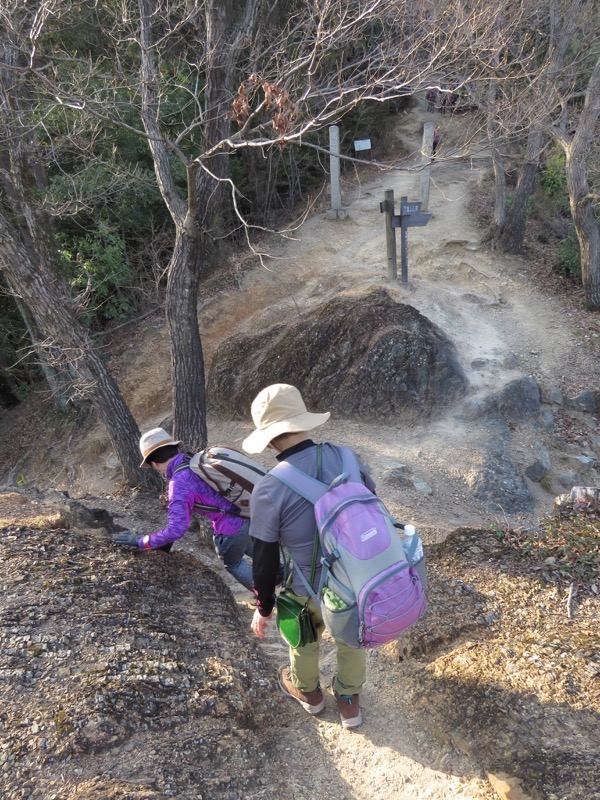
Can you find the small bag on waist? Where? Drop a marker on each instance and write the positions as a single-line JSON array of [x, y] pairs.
[[294, 622]]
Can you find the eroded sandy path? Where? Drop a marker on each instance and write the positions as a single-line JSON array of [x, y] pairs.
[[393, 755]]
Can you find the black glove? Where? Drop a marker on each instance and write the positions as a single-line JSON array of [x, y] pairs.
[[126, 539]]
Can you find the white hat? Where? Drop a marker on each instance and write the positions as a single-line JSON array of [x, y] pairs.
[[152, 440], [279, 409]]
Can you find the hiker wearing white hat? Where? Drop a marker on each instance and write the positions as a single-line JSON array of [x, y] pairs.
[[281, 516], [279, 409], [189, 494]]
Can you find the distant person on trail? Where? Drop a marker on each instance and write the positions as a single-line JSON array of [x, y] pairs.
[[186, 491], [436, 140], [279, 516], [431, 97]]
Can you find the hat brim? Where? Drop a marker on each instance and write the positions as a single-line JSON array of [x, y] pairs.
[[144, 464], [260, 438]]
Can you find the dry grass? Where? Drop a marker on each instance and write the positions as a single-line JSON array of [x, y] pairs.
[[565, 549]]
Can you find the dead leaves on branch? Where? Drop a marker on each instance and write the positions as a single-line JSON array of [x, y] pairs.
[[256, 96]]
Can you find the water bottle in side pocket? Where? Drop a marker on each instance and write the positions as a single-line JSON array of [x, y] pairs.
[[413, 547]]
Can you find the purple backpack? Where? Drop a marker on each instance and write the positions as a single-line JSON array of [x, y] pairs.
[[369, 594]]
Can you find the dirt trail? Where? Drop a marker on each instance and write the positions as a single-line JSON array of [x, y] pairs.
[[394, 754]]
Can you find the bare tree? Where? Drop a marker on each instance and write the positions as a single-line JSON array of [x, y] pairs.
[[251, 74], [509, 235], [540, 89], [567, 95], [201, 79], [54, 313], [576, 143], [549, 89], [28, 259]]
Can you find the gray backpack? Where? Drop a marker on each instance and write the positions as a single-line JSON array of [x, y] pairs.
[[231, 473], [369, 594]]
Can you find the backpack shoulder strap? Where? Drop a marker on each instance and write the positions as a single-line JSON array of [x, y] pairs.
[[301, 483], [350, 464], [237, 512], [185, 464], [310, 488]]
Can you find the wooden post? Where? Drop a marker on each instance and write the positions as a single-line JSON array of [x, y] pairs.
[[410, 216], [404, 241], [426, 153], [334, 167], [390, 235], [336, 211]]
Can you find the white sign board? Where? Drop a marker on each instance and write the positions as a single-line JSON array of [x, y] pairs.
[[362, 144]]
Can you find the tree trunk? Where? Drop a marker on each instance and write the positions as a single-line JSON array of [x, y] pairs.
[[9, 389], [586, 226], [61, 387], [199, 212], [511, 235], [580, 196], [497, 162], [181, 300], [187, 360], [500, 190], [52, 310]]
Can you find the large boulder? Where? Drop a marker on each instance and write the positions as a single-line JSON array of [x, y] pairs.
[[359, 356]]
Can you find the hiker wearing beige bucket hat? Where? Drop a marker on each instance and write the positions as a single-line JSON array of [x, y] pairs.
[[280, 516], [276, 410], [189, 494], [152, 440]]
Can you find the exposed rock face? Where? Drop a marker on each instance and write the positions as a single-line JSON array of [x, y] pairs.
[[519, 400], [358, 357], [131, 667], [498, 483]]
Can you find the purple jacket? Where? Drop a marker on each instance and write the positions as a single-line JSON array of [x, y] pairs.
[[185, 490]]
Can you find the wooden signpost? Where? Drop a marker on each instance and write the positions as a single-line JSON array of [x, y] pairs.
[[410, 216]]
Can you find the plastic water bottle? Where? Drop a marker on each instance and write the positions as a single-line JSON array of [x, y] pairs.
[[413, 547]]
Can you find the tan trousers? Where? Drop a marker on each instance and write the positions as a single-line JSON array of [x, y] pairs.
[[304, 661]]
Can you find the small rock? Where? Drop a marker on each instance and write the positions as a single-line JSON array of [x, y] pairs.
[[584, 401], [421, 486], [550, 395], [536, 471], [507, 787]]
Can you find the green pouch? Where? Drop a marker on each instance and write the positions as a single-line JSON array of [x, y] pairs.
[[294, 622]]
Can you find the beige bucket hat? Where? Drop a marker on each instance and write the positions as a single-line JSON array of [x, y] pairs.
[[279, 409], [152, 440]]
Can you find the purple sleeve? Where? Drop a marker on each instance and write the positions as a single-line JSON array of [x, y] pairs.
[[186, 490], [181, 505]]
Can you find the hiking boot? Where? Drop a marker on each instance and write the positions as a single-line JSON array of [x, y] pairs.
[[349, 708], [312, 702]]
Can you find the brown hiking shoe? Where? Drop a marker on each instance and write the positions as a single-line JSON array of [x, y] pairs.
[[349, 708], [312, 702]]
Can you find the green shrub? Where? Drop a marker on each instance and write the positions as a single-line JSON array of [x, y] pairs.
[[99, 270], [568, 257], [553, 177]]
